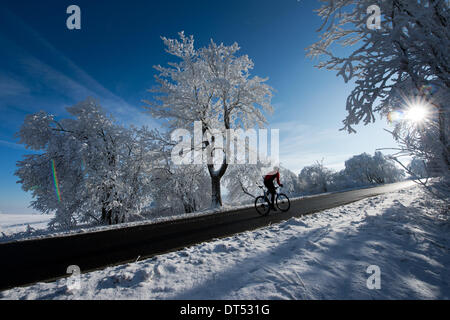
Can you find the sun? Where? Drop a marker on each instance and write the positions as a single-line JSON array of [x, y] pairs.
[[416, 113]]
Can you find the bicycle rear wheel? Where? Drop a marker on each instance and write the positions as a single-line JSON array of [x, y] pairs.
[[262, 206], [283, 202]]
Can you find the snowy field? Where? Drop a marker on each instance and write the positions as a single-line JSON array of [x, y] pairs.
[[22, 225], [405, 234]]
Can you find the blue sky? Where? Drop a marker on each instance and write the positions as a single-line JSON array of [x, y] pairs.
[[45, 66]]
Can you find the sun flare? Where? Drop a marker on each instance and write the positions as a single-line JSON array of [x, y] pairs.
[[416, 113]]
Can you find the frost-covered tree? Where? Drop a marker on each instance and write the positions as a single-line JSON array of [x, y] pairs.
[[341, 181], [291, 182], [393, 65], [180, 189], [417, 168], [360, 170], [315, 178], [242, 181], [411, 46], [365, 169], [86, 168], [211, 85], [423, 140]]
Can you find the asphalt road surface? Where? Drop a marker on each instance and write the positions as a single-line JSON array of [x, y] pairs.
[[30, 261]]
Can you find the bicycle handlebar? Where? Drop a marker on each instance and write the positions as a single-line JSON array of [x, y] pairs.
[[276, 187]]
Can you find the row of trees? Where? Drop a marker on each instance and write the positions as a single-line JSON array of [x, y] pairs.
[[360, 170], [88, 168]]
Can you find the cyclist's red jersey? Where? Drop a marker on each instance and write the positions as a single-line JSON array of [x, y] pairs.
[[272, 176]]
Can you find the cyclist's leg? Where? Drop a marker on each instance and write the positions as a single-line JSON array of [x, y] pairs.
[[271, 187], [273, 191], [267, 185]]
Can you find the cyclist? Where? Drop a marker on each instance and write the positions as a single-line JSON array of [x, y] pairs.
[[268, 182]]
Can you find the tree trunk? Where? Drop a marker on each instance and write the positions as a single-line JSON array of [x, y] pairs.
[[106, 215], [216, 176], [216, 200]]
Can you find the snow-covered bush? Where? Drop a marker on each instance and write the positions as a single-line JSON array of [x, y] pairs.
[[364, 169], [291, 183], [341, 181], [315, 178], [360, 170], [180, 189]]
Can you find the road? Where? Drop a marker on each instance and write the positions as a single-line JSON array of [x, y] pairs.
[[26, 262]]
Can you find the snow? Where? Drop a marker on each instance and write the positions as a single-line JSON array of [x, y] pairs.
[[321, 256], [18, 225]]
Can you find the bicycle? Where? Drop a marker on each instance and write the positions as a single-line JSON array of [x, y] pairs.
[[262, 203]]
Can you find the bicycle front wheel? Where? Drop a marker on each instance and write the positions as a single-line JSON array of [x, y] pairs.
[[262, 206], [283, 202]]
